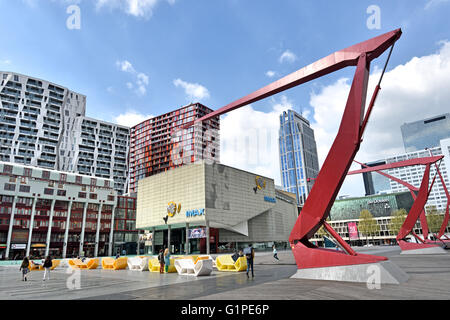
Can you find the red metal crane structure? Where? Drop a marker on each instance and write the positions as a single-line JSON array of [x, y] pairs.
[[417, 210], [343, 150]]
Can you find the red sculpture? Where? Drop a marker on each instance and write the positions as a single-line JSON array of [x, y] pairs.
[[346, 144], [419, 200]]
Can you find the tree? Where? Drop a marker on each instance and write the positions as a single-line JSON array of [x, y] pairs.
[[322, 232], [397, 220], [434, 219], [367, 225]]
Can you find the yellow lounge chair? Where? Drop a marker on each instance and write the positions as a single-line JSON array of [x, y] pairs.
[[114, 264], [153, 265], [226, 263]]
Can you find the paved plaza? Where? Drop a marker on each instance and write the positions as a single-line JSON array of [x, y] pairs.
[[429, 278]]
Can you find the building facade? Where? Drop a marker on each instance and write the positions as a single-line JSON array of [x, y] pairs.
[[36, 120], [228, 206], [375, 183], [159, 144], [425, 133], [413, 174], [299, 162], [100, 149], [43, 124], [59, 213], [347, 211]]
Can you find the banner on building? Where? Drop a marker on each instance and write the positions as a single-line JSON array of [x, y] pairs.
[[197, 233], [353, 231]]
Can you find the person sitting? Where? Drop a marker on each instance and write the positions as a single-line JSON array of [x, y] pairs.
[[235, 256]]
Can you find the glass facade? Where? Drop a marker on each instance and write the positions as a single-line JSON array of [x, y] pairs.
[[375, 183], [425, 133], [379, 206], [299, 164]]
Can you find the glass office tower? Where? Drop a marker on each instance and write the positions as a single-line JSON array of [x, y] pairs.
[[426, 133], [299, 164]]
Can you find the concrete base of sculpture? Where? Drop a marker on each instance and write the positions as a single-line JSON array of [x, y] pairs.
[[384, 272], [421, 248], [430, 250]]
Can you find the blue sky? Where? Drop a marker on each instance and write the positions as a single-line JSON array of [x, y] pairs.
[[226, 46], [127, 58]]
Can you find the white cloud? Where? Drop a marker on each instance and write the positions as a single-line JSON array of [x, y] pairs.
[[6, 62], [249, 138], [270, 73], [287, 56], [131, 118], [410, 92], [137, 8], [141, 79], [194, 91], [125, 66]]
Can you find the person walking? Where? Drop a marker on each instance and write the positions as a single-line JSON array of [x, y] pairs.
[[48, 263], [24, 267], [250, 255], [161, 261], [275, 253], [166, 260]]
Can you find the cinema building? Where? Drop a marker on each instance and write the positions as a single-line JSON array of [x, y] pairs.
[[187, 205]]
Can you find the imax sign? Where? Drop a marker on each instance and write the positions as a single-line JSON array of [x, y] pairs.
[[195, 212]]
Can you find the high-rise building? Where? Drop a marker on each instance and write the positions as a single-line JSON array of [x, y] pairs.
[[426, 133], [375, 183], [299, 164], [100, 149], [36, 120], [159, 144], [43, 124], [413, 174]]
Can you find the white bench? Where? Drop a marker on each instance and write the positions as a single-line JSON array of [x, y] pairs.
[[138, 264], [203, 267]]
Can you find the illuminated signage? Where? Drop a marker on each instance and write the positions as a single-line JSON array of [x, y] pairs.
[[195, 212], [269, 199], [197, 233]]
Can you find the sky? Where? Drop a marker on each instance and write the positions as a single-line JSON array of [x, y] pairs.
[[135, 59]]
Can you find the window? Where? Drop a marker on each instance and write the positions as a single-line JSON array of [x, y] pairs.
[[61, 193], [93, 182], [110, 198], [24, 188], [10, 187], [7, 168], [48, 191], [82, 195], [62, 177], [45, 174], [79, 179], [27, 172], [93, 196]]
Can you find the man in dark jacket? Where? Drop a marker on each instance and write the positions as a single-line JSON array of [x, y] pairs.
[[250, 255]]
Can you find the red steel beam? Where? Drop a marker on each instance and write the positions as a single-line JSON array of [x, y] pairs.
[[372, 48], [400, 164]]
